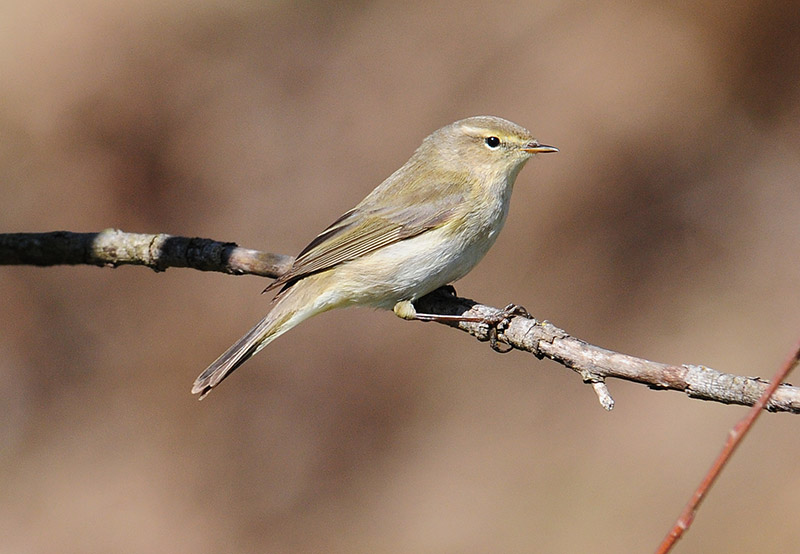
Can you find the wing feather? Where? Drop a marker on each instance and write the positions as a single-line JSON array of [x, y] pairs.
[[361, 231]]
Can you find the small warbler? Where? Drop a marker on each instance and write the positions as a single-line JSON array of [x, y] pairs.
[[425, 226]]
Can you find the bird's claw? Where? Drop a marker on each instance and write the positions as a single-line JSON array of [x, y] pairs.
[[500, 321]]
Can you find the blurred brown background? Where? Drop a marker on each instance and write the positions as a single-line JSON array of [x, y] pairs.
[[667, 227]]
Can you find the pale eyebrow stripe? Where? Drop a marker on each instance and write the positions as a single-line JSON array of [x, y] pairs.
[[470, 130]]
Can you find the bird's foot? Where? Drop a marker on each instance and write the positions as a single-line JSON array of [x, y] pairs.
[[496, 323], [500, 321]]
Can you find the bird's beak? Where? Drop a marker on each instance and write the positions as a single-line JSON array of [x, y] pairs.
[[534, 147]]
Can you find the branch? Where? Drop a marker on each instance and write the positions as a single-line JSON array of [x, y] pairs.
[[595, 364], [112, 248]]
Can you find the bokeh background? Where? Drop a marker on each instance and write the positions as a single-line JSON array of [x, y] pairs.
[[667, 227]]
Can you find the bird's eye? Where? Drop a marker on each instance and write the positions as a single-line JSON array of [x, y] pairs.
[[492, 142]]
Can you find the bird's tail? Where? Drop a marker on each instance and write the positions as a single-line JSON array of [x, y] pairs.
[[284, 315]]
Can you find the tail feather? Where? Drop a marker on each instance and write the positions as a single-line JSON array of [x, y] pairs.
[[268, 329], [290, 307]]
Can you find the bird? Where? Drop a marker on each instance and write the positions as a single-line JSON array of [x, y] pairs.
[[426, 226]]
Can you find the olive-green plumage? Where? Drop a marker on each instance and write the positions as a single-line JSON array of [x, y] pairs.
[[425, 226]]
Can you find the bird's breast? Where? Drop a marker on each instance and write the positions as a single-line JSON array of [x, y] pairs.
[[411, 268]]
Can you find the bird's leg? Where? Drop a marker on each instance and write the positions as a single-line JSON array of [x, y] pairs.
[[407, 310], [496, 323]]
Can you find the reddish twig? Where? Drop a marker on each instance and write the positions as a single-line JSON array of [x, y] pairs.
[[734, 439]]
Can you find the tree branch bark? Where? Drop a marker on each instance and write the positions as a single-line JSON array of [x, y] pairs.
[[112, 248]]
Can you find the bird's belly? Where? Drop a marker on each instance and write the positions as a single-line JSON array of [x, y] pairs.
[[409, 269]]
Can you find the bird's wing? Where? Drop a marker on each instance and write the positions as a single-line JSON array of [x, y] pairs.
[[363, 230]]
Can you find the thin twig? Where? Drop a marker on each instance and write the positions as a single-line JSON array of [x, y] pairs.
[[734, 439]]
